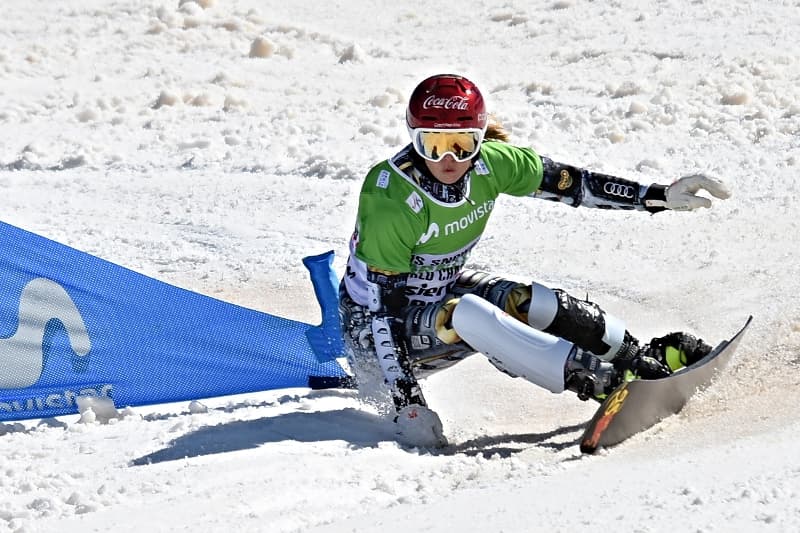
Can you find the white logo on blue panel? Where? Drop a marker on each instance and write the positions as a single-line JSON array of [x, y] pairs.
[[22, 354]]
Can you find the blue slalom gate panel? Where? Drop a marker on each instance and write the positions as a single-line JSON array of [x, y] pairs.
[[73, 324]]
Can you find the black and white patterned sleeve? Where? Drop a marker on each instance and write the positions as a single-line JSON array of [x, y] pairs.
[[580, 187]]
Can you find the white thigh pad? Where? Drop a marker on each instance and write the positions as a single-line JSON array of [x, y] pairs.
[[513, 346], [543, 308]]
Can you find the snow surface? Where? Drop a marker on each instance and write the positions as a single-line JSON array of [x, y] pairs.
[[213, 144]]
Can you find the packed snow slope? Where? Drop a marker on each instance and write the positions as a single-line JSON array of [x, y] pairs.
[[213, 144]]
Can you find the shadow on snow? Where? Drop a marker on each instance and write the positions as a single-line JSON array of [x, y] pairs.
[[358, 428]]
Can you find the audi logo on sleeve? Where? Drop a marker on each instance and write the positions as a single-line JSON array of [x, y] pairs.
[[619, 190]]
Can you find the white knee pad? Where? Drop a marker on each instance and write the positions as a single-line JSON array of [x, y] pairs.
[[614, 336], [513, 346], [543, 308]]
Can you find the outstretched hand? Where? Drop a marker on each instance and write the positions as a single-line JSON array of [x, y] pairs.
[[681, 194]]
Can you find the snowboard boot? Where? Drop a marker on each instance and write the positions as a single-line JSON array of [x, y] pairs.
[[419, 426], [661, 356], [589, 376], [676, 350], [634, 361]]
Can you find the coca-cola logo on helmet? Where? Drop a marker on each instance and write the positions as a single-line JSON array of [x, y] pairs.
[[459, 103]]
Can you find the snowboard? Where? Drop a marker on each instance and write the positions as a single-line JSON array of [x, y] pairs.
[[640, 404]]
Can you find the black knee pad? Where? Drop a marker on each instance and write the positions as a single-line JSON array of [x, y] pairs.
[[423, 337], [580, 322], [494, 289]]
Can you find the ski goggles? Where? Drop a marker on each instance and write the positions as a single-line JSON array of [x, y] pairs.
[[433, 144]]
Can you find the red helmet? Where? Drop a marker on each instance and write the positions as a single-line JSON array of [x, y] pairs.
[[446, 101]]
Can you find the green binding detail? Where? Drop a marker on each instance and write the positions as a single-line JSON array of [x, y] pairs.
[[627, 377], [675, 358]]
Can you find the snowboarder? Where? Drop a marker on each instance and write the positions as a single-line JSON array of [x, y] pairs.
[[408, 301]]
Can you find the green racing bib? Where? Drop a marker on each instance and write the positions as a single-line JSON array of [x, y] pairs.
[[401, 228]]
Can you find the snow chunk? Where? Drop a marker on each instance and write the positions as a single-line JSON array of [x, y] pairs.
[[385, 100], [262, 47], [74, 161], [167, 98], [641, 125], [736, 96], [232, 25], [628, 88], [223, 79], [81, 506], [169, 18], [195, 144], [512, 19], [196, 407], [637, 108], [233, 102], [648, 164], [88, 115], [14, 427], [538, 87], [352, 53], [191, 7], [192, 10], [616, 137], [205, 4], [192, 22], [97, 409], [157, 27], [201, 100]]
